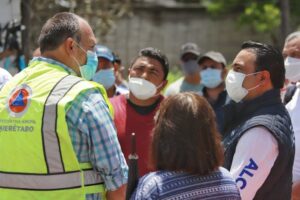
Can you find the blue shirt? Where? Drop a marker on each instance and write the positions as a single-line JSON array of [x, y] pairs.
[[94, 136], [218, 185]]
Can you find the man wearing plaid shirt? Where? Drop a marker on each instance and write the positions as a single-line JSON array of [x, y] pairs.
[[65, 109]]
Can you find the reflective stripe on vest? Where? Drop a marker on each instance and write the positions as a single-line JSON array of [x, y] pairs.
[[49, 181], [50, 138]]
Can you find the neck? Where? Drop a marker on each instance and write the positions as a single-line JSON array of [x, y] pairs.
[[193, 79], [213, 93], [147, 102], [111, 91], [59, 56]]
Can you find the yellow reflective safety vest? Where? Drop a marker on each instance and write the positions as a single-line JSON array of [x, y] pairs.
[[37, 159]]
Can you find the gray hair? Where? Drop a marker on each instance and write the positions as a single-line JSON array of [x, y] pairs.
[[57, 29], [292, 36]]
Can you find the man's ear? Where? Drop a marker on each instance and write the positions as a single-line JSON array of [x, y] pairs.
[[69, 46], [265, 77], [224, 73], [163, 85]]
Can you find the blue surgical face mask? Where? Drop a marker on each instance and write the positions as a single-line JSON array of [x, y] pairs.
[[105, 77], [211, 78], [88, 70], [190, 67]]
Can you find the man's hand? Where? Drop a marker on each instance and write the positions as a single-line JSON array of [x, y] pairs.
[[118, 194], [296, 191]]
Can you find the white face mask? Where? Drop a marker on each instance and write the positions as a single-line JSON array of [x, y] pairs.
[[141, 88], [292, 69], [234, 85]]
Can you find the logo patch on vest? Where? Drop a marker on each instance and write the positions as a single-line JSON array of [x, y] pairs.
[[19, 100]]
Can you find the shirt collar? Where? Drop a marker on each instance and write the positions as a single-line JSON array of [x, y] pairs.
[[54, 62]]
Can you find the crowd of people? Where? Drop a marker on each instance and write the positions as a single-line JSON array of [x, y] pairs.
[[222, 131]]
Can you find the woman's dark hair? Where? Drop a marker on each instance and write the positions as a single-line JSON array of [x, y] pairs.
[[57, 29], [185, 136]]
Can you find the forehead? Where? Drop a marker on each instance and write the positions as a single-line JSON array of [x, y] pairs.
[[87, 34], [245, 60], [208, 61], [293, 43], [148, 62]]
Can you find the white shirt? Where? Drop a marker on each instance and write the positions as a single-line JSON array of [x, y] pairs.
[[4, 77], [294, 110], [253, 160]]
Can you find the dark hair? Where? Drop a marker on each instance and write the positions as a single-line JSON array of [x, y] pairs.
[[57, 29], [270, 59], [185, 137], [155, 54]]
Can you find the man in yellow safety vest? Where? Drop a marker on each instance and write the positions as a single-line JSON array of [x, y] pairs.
[[57, 138]]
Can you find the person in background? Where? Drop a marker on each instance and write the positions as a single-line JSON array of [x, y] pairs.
[[105, 74], [186, 153], [213, 73], [11, 58], [259, 139], [189, 55], [134, 113], [4, 77], [57, 124], [291, 53], [121, 83]]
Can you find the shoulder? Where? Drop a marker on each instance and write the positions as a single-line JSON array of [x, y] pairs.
[[174, 87], [4, 74], [117, 100]]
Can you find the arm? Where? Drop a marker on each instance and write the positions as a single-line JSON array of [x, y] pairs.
[[117, 194], [97, 141], [296, 191], [253, 160]]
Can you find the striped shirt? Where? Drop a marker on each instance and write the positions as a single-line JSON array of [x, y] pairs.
[[218, 185], [94, 137]]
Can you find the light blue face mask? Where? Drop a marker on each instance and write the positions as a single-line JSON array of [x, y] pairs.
[[211, 78], [88, 70], [105, 77]]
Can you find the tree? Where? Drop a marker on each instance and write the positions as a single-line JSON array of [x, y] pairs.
[[260, 16]]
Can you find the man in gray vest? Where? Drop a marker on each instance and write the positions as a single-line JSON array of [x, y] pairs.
[[259, 140]]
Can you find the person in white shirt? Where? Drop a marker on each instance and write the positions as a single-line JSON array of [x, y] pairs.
[[4, 77], [258, 137], [291, 52]]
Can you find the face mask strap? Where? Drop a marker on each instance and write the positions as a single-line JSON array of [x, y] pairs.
[[80, 47]]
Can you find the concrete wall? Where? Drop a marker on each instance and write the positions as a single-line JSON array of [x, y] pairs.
[[168, 29]]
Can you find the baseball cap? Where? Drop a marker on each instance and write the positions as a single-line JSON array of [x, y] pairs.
[[189, 48], [104, 52], [215, 56]]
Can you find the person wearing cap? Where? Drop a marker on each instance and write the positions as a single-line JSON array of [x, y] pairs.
[[134, 113], [105, 74], [191, 80], [213, 73]]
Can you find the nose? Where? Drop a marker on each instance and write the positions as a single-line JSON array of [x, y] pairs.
[[144, 75]]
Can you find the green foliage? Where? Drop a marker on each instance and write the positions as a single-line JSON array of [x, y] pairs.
[[174, 75], [262, 16]]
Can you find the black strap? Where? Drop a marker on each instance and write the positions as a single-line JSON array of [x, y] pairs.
[[290, 91]]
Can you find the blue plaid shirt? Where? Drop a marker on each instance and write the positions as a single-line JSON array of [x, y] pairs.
[[94, 137]]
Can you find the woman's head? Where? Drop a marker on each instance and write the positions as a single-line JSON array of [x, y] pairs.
[[185, 136]]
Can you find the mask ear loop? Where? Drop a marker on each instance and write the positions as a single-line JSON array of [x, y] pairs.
[[253, 88]]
